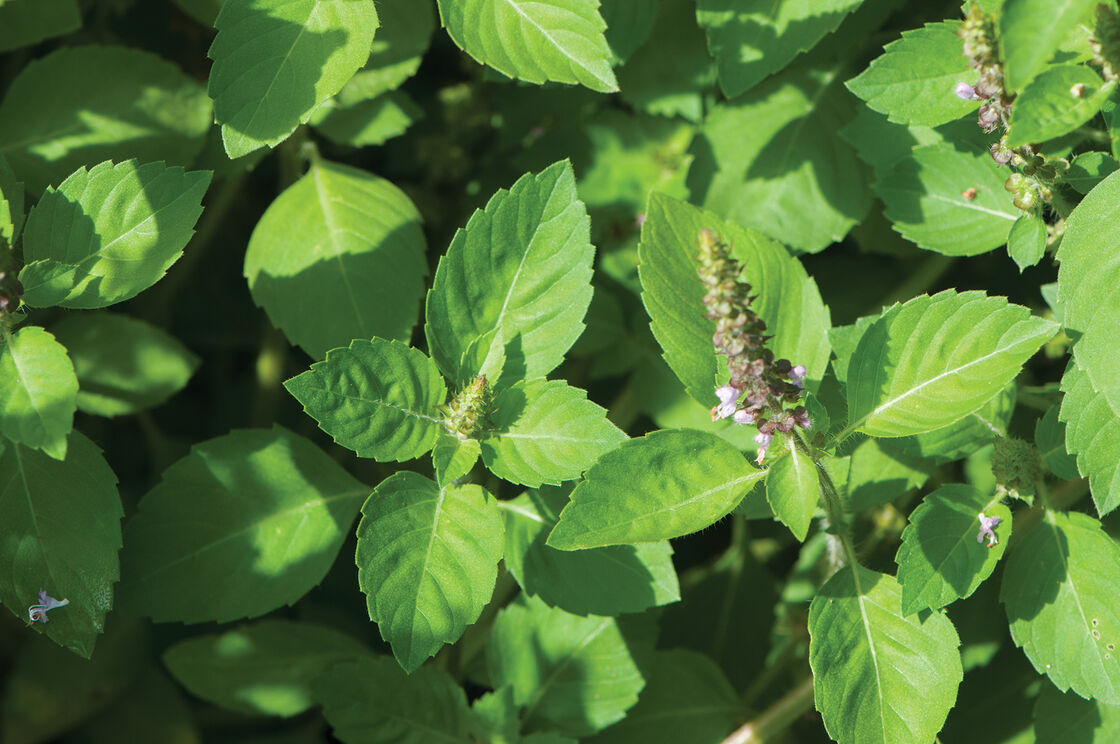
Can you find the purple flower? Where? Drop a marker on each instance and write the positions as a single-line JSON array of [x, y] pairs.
[[743, 416], [966, 91], [987, 525], [763, 441], [38, 613], [797, 375], [728, 398]]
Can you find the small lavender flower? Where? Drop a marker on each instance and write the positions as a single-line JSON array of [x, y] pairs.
[[38, 613], [965, 91], [744, 417], [797, 375], [763, 441], [728, 399], [987, 527]]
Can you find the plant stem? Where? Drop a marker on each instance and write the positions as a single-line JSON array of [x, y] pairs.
[[777, 718]]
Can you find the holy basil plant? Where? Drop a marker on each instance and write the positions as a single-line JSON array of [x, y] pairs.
[[672, 370]]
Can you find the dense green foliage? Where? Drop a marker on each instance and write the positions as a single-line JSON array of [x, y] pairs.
[[552, 371]]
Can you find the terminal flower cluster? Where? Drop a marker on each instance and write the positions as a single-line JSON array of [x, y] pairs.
[[761, 390]]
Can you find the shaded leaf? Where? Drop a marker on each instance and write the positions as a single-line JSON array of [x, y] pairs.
[[62, 522], [878, 473], [27, 22], [1070, 719], [339, 255], [604, 581], [557, 40], [427, 561], [244, 524], [108, 233], [378, 398], [398, 46], [370, 122], [1050, 439], [879, 676], [1059, 590], [38, 390], [1088, 169], [665, 484], [276, 60]]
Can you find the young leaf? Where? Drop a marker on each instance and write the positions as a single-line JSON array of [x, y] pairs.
[[370, 122], [941, 558], [665, 484], [107, 234], [1055, 103], [11, 204], [605, 581], [276, 60], [123, 99], [1026, 244], [559, 40], [523, 265], [427, 561], [793, 490], [1050, 439], [1071, 719], [754, 41], [377, 398], [784, 180], [545, 431], [62, 526], [264, 668], [244, 524], [948, 201], [879, 676], [27, 22], [934, 360], [1093, 435], [574, 674], [339, 255], [372, 701], [686, 699], [1059, 589], [912, 81], [38, 391], [453, 458], [787, 297], [1088, 169], [1030, 31], [123, 364]]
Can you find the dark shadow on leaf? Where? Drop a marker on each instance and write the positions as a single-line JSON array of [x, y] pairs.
[[1035, 560]]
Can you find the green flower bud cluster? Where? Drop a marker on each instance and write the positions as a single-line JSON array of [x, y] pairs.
[[1034, 183], [1016, 466], [468, 413]]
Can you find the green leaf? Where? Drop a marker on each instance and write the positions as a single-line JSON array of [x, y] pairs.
[[108, 233], [665, 484], [605, 581], [913, 81], [785, 180], [87, 104], [751, 42], [522, 264], [1059, 589], [123, 364], [669, 74], [1093, 435], [62, 527], [371, 122], [264, 668], [629, 23], [787, 297], [427, 561], [38, 391], [11, 205], [793, 490], [244, 524], [1026, 244], [27, 22], [1070, 719], [1088, 169], [371, 701], [964, 437], [151, 708], [398, 46], [378, 398], [276, 60], [1050, 439], [1055, 103], [934, 360], [879, 474], [879, 676], [558, 40], [686, 700], [1030, 31], [927, 199], [545, 431], [573, 674], [453, 458], [339, 255], [941, 560]]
